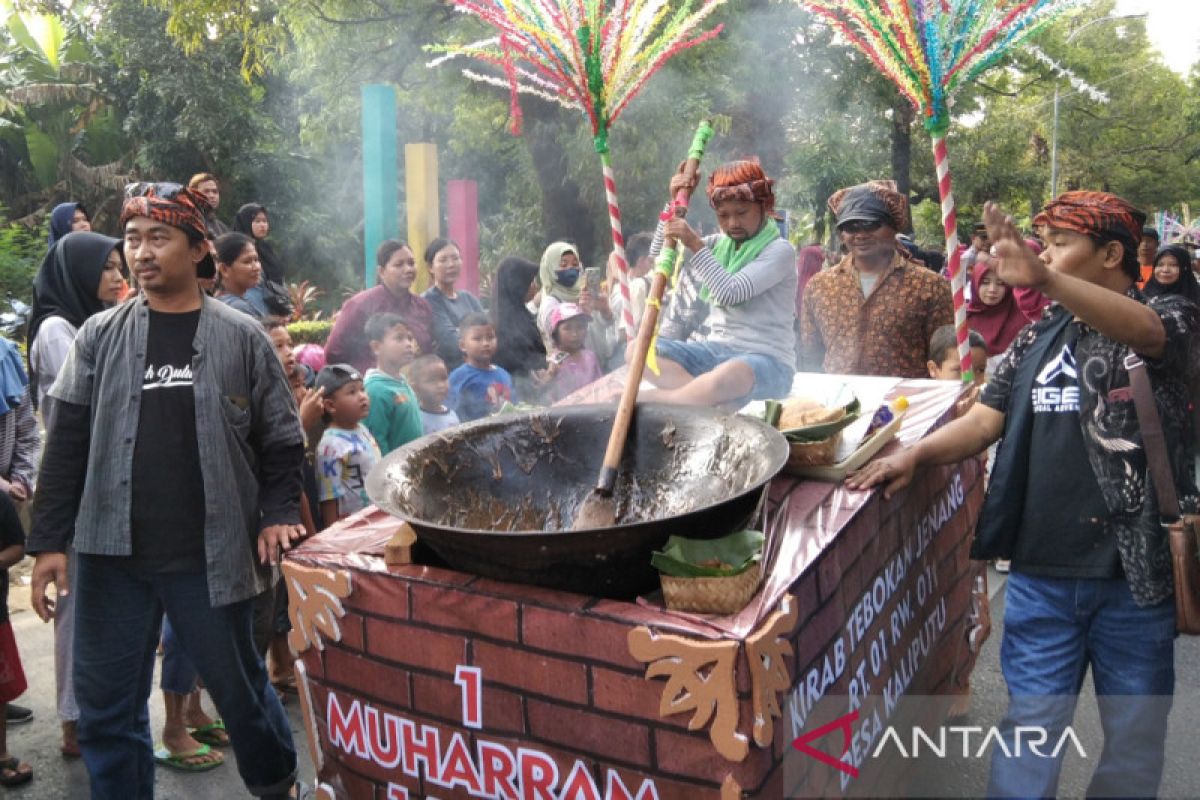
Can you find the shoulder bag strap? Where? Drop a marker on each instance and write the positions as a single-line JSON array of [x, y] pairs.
[[1153, 441]]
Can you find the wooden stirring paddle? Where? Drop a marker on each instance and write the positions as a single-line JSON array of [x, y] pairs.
[[599, 509]]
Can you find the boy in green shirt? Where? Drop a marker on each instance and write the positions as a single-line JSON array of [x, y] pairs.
[[395, 417]]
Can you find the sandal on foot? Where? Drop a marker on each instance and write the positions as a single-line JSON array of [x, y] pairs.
[[11, 773], [184, 762], [212, 734]]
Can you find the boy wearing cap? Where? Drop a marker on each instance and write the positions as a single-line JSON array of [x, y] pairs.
[[159, 522], [876, 311], [347, 450], [1070, 500]]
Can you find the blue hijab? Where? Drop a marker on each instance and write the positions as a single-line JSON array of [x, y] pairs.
[[61, 218], [12, 376]]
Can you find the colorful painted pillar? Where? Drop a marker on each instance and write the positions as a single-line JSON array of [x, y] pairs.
[[381, 218], [462, 212], [424, 210]]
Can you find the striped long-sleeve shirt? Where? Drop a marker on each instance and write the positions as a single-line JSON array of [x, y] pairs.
[[753, 309]]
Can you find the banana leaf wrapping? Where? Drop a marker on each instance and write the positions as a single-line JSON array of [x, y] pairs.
[[681, 558]]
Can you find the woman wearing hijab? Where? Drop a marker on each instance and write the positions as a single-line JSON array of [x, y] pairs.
[[67, 217], [271, 295], [993, 310], [1173, 274], [561, 276], [519, 345], [80, 276]]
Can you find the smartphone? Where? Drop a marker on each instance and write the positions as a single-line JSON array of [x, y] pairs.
[[593, 276]]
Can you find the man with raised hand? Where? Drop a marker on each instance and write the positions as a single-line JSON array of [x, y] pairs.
[[1070, 499]]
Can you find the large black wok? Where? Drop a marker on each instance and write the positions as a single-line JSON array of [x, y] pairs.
[[497, 497]]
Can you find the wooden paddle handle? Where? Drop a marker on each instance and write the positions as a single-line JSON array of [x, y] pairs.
[[637, 364]]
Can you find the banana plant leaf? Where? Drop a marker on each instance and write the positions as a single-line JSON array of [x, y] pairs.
[[682, 558], [812, 433]]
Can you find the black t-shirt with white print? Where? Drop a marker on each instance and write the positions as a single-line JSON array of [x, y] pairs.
[[168, 487], [1064, 528]]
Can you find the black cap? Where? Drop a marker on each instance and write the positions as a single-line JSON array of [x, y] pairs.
[[860, 204], [334, 376]]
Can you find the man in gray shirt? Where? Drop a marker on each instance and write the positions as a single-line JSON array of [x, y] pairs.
[[174, 455], [747, 276]]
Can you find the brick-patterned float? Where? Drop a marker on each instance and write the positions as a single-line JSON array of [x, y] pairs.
[[417, 681]]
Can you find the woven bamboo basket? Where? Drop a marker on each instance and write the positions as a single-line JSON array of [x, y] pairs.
[[812, 454], [711, 595]]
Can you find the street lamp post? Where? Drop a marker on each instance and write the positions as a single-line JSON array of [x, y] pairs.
[[1058, 84]]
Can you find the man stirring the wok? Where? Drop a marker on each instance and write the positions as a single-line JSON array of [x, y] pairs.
[[747, 275]]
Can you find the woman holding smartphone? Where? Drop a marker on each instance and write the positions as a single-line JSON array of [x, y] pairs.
[[564, 280]]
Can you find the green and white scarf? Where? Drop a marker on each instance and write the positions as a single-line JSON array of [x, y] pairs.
[[733, 258]]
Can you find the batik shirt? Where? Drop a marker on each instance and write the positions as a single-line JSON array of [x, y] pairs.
[[887, 332]]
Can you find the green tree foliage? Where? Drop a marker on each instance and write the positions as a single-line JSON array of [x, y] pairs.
[[59, 137], [267, 97]]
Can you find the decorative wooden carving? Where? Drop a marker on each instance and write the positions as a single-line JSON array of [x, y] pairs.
[[700, 678], [731, 789], [309, 716], [315, 604], [766, 650]]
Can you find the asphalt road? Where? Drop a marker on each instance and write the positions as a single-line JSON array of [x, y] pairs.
[[55, 777], [960, 777], [37, 742]]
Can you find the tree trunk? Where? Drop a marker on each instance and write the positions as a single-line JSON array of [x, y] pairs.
[[564, 215], [902, 119]]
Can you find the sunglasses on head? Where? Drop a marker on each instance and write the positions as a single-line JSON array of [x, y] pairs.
[[860, 226], [163, 191]]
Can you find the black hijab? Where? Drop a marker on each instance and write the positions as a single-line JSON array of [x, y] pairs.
[[66, 283], [519, 349], [1187, 285], [243, 223]]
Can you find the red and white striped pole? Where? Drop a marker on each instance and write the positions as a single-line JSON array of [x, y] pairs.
[[614, 221], [957, 278]]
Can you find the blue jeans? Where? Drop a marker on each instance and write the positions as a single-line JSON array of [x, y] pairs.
[[178, 674], [772, 377], [118, 612], [1054, 629]]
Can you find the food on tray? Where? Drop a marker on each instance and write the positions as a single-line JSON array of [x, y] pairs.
[[799, 412], [803, 420]]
